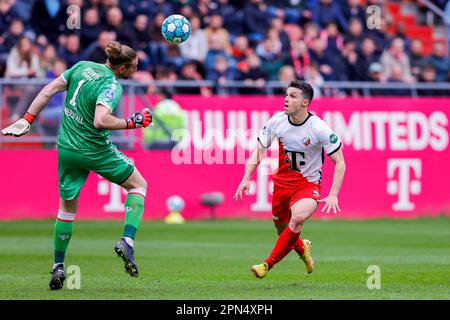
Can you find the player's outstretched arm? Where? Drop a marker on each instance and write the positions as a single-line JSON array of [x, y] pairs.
[[23, 125], [103, 119], [331, 201], [250, 167]]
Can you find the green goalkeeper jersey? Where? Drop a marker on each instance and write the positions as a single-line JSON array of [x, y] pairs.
[[88, 84]]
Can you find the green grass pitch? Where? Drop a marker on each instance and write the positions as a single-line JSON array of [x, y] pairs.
[[211, 260]]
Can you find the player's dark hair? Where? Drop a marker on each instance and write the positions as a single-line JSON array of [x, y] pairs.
[[304, 87], [119, 54]]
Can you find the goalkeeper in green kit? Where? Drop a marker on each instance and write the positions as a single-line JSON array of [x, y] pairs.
[[84, 145]]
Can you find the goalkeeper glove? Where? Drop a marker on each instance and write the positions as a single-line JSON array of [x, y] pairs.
[[140, 119], [21, 126]]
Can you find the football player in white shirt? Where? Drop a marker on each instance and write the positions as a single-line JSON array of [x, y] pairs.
[[303, 138]]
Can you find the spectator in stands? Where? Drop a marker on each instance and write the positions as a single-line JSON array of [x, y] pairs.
[[322, 60], [326, 11], [48, 19], [314, 78], [298, 58], [277, 29], [204, 9], [240, 48], [332, 39], [142, 34], [366, 57], [233, 18], [377, 75], [164, 73], [294, 32], [141, 30], [350, 55], [196, 47], [189, 72], [293, 12], [96, 52], [123, 30], [286, 74], [440, 60], [253, 75], [186, 11], [397, 76], [160, 7], [132, 8], [396, 55], [92, 27], [157, 48], [6, 15], [311, 34], [428, 75], [108, 4], [23, 63], [173, 57], [71, 51], [355, 32], [381, 36], [47, 59], [144, 76], [167, 75], [269, 50], [256, 20], [215, 27], [353, 10], [98, 5], [222, 72], [10, 38], [400, 32], [215, 49], [416, 58]]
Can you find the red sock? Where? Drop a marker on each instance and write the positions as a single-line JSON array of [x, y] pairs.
[[298, 247], [283, 246]]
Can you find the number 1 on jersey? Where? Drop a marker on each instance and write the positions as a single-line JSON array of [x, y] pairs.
[[72, 101]]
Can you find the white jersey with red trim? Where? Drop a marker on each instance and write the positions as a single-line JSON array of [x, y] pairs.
[[301, 148]]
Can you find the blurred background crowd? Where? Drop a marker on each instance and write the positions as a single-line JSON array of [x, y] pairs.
[[252, 41]]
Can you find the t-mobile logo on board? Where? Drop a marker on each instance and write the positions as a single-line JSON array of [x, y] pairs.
[[406, 184]]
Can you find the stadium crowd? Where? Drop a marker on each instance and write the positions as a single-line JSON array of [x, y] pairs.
[[252, 41]]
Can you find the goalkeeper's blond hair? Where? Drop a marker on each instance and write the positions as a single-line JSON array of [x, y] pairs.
[[119, 54]]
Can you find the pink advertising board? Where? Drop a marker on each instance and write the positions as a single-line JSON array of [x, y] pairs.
[[396, 150]]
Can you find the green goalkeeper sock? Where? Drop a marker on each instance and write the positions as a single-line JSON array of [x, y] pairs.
[[134, 209], [62, 235]]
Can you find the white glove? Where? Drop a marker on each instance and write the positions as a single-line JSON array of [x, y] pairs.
[[18, 128]]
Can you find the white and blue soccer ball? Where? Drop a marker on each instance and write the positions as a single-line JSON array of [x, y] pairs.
[[176, 29], [175, 203]]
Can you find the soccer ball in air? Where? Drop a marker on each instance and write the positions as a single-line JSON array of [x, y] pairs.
[[176, 29]]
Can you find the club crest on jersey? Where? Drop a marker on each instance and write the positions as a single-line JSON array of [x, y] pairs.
[[109, 94], [306, 141], [333, 138], [316, 193]]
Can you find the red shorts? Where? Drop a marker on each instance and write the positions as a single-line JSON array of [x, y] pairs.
[[284, 198]]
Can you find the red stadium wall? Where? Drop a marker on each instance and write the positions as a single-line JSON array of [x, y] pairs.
[[397, 154]]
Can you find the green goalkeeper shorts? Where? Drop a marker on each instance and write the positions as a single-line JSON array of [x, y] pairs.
[[74, 167]]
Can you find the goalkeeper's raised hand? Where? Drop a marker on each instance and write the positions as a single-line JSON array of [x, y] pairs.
[[21, 126], [140, 119]]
